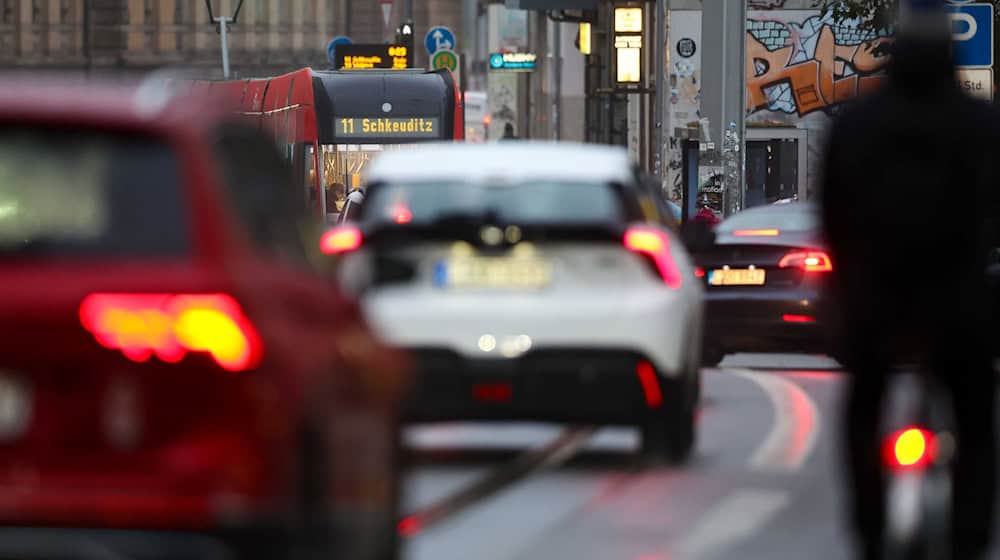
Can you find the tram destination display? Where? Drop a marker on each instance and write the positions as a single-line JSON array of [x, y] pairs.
[[367, 57], [388, 127]]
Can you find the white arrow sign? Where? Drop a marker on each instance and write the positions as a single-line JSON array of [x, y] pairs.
[[441, 42]]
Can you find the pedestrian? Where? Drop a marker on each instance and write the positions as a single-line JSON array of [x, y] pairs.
[[706, 216], [331, 191], [353, 205], [909, 271], [508, 132]]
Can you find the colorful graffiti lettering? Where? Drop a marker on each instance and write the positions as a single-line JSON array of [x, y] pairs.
[[813, 66]]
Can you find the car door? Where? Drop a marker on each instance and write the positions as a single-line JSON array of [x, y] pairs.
[[352, 384]]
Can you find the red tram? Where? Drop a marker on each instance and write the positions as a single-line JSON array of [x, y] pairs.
[[331, 123]]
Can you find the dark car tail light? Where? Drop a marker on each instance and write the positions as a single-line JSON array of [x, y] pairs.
[[171, 325], [810, 261], [910, 448], [655, 245], [341, 239]]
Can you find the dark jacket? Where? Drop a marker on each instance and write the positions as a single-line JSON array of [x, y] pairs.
[[910, 182]]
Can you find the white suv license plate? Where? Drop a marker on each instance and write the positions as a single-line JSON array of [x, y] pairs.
[[516, 273]]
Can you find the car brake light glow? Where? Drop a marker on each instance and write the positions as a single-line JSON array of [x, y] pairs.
[[171, 325], [401, 214], [810, 261], [789, 318], [910, 448], [650, 384], [340, 240], [756, 232], [656, 245]]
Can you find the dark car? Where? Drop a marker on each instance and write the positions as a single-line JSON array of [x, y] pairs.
[[764, 279], [176, 379]]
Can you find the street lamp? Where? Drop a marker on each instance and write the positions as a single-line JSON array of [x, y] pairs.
[[223, 23]]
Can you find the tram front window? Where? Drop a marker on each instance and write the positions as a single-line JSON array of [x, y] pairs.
[[343, 167]]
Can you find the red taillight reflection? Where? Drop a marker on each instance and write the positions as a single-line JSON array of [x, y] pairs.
[[656, 245], [495, 392], [650, 384], [810, 261], [699, 272], [340, 240], [789, 318], [756, 233], [171, 325], [409, 526], [911, 448]]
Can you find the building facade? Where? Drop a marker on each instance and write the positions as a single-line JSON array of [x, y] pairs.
[[271, 36]]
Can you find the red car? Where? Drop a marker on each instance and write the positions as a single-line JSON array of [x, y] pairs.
[[176, 377]]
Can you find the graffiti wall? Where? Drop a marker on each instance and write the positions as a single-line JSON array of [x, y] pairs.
[[801, 66], [800, 62]]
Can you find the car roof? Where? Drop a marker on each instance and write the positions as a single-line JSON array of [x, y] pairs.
[[80, 102], [784, 208], [513, 161]]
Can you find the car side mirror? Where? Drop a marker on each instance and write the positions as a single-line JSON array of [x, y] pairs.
[[698, 237]]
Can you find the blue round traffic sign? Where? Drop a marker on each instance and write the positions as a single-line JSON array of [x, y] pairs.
[[439, 37], [332, 47]]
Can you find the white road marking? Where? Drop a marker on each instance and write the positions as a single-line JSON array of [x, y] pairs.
[[742, 514], [796, 424]]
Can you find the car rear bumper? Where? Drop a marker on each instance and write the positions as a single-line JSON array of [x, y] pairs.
[[791, 321], [653, 321], [557, 385]]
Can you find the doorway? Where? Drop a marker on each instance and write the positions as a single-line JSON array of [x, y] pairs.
[[776, 165]]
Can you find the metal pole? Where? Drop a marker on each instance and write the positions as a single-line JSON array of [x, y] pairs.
[[347, 17], [659, 98], [557, 74], [223, 34], [87, 38]]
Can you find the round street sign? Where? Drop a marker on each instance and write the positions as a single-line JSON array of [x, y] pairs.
[[337, 41], [445, 58], [438, 38]]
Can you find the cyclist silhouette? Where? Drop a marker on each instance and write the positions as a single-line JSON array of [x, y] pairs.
[[910, 269]]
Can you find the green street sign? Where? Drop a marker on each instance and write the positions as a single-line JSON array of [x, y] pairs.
[[444, 58]]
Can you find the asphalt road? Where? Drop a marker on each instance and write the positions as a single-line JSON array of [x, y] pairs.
[[763, 483]]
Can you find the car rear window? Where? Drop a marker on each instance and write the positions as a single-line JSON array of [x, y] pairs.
[[788, 219], [546, 203], [85, 193]]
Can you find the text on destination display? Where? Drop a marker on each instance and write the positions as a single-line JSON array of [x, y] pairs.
[[387, 127]]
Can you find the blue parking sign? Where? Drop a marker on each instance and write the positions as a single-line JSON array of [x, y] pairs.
[[972, 34]]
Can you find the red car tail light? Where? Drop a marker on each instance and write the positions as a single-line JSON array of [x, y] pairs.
[[756, 233], [655, 245], [790, 318], [401, 214], [340, 240], [810, 261], [171, 325], [650, 384], [911, 448]]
